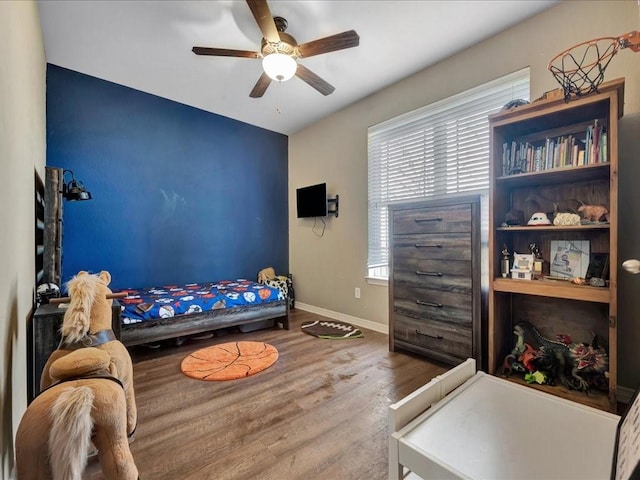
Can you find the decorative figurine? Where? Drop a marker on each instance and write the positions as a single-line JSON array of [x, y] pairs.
[[514, 217], [594, 213], [537, 260], [566, 219], [504, 265], [539, 218]]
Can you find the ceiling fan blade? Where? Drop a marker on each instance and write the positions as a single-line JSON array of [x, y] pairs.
[[224, 52], [263, 17], [332, 43], [314, 80], [261, 86]]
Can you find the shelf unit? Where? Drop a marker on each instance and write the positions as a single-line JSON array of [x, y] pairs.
[[554, 306]]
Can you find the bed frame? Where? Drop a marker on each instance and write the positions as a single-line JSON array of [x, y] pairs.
[[183, 325]]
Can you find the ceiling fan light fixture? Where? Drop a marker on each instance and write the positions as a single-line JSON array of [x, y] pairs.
[[279, 66]]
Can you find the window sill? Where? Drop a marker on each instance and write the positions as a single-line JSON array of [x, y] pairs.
[[383, 282]]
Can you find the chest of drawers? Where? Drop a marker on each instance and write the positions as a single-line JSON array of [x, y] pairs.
[[434, 280]]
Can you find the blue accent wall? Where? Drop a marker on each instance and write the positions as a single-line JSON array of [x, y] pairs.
[[179, 194]]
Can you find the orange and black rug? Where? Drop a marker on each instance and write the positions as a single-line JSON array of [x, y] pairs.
[[229, 361], [332, 329]]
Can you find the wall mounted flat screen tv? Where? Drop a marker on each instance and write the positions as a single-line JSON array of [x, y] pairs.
[[312, 201]]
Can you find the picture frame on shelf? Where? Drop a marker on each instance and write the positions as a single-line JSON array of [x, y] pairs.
[[569, 258], [598, 266]]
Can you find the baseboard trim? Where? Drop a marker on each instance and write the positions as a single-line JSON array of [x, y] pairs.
[[624, 394], [360, 322]]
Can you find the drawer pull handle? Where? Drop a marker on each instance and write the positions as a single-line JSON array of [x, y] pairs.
[[430, 274], [437, 337], [429, 304], [436, 219], [425, 245]]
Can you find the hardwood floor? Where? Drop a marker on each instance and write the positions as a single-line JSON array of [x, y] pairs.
[[320, 412]]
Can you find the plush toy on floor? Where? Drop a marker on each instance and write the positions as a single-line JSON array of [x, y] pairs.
[[86, 405], [87, 323]]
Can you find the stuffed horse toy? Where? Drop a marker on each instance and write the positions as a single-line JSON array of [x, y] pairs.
[[86, 405], [87, 323]]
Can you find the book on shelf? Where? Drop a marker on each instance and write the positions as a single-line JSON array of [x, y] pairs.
[[572, 150]]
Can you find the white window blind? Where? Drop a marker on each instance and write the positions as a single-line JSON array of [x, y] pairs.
[[437, 150]]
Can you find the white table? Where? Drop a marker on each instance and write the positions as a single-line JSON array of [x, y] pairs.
[[476, 426]]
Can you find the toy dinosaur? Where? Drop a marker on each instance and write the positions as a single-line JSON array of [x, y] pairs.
[[557, 358], [511, 361]]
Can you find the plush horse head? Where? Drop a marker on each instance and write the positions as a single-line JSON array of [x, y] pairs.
[[85, 406], [90, 310], [87, 323]]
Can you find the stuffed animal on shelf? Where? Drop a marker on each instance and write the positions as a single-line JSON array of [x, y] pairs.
[[594, 213], [87, 323], [85, 405]]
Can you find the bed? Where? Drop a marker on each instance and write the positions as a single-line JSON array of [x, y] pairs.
[[467, 424], [169, 311]]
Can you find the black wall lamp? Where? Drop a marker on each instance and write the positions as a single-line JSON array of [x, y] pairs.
[[74, 189]]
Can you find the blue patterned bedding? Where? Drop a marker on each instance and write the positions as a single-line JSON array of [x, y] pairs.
[[142, 304]]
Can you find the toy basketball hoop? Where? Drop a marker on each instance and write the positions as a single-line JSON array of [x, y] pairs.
[[580, 69]]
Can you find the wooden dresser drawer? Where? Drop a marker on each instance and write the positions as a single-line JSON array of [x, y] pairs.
[[425, 303], [444, 219], [448, 246], [434, 339], [448, 275]]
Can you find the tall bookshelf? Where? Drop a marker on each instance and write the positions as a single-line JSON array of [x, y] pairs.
[[528, 177]]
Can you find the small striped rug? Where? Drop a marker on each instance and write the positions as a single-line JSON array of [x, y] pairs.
[[332, 329]]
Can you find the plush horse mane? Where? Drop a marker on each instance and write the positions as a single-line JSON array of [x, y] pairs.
[[83, 290]]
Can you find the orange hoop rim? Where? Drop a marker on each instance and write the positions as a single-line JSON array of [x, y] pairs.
[[615, 41]]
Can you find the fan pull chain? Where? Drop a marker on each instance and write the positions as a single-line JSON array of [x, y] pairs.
[[278, 111]]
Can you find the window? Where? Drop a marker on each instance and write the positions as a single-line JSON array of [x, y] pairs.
[[437, 150]]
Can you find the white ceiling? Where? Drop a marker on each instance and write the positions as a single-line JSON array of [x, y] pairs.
[[146, 45]]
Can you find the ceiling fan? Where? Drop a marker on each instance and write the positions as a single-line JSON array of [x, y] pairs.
[[280, 50]]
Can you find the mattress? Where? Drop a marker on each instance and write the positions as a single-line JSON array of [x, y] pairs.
[[166, 301]]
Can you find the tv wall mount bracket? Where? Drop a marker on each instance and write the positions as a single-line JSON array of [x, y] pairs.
[[336, 202]]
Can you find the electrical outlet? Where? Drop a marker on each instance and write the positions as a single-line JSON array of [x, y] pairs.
[[357, 293]]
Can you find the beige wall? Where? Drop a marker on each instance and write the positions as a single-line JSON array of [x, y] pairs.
[[22, 151], [326, 270]]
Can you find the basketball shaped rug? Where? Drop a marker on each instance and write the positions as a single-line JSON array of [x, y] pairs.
[[229, 361], [331, 329]]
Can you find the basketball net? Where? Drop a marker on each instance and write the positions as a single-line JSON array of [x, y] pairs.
[[580, 69]]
